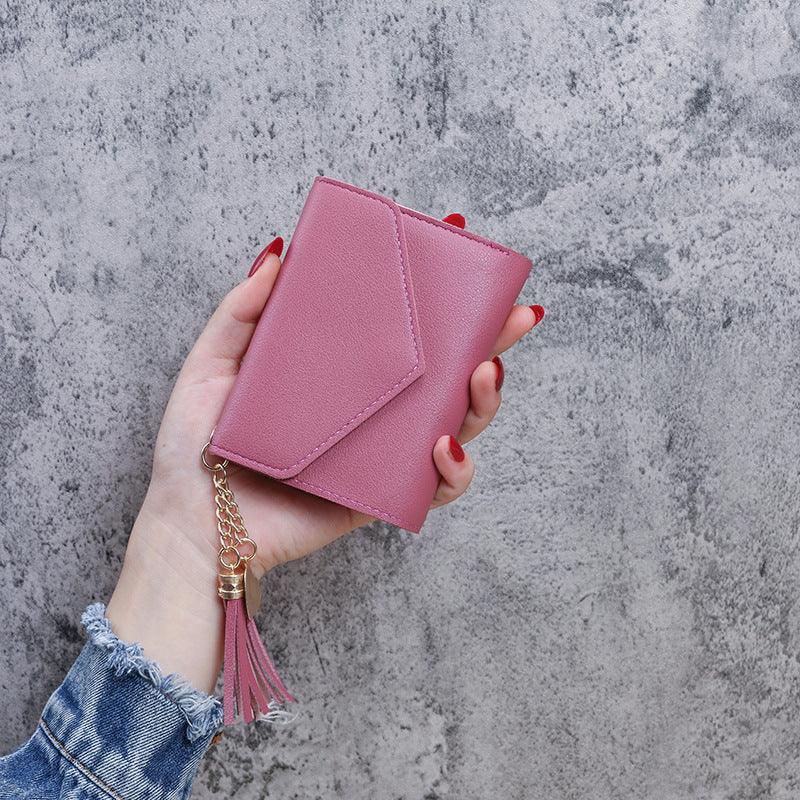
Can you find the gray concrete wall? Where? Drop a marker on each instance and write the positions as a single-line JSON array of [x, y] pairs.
[[612, 609]]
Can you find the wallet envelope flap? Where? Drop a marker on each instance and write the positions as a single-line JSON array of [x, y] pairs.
[[337, 340]]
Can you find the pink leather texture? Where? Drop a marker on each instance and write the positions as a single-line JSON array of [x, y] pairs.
[[363, 354]]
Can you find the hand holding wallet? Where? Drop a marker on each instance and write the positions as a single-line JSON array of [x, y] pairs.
[[363, 354]]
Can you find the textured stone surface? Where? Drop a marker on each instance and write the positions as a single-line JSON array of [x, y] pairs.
[[612, 609]]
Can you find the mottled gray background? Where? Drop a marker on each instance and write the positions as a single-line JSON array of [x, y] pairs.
[[612, 611]]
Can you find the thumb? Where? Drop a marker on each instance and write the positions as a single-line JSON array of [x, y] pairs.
[[224, 340]]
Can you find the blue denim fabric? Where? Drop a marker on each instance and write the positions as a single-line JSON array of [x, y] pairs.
[[115, 728]]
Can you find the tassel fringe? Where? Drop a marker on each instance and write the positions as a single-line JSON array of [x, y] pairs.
[[252, 688]]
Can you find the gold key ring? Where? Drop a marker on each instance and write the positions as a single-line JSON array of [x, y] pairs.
[[210, 467]]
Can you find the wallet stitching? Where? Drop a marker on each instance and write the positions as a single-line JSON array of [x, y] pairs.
[[352, 500], [490, 245], [245, 461], [413, 338]]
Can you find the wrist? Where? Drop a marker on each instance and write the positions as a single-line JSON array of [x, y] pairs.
[[166, 600]]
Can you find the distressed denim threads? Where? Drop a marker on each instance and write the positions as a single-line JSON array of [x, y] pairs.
[[115, 727]]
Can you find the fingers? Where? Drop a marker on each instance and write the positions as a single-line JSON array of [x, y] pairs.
[[223, 342], [456, 468], [484, 392], [518, 322], [486, 380]]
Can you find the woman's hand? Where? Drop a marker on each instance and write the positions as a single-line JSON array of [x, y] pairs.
[[166, 596]]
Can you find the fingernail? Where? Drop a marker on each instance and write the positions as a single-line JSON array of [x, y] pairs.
[[455, 219], [455, 450], [539, 311], [501, 373], [275, 246]]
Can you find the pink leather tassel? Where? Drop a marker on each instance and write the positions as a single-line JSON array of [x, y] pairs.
[[252, 688]]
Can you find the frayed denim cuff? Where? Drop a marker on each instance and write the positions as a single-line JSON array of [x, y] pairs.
[[203, 712], [122, 724]]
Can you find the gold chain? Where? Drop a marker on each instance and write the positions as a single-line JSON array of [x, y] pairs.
[[232, 532], [237, 549]]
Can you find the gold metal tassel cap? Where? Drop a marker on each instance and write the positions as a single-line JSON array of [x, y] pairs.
[[231, 585]]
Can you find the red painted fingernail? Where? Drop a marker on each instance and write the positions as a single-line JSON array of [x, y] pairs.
[[501, 373], [275, 246], [539, 311], [455, 219], [456, 450]]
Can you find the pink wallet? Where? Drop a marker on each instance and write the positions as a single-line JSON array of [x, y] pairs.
[[363, 354]]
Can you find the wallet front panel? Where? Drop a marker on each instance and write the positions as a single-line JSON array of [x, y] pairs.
[[338, 337], [463, 288]]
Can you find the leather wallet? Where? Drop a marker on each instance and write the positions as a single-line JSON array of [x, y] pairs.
[[363, 354]]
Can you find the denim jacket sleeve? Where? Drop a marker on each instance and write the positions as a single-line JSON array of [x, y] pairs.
[[116, 729]]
